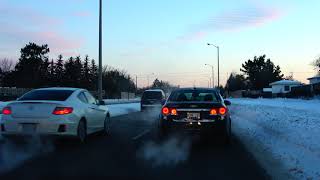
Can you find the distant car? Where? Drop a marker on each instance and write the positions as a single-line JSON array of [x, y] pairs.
[[61, 112], [200, 110], [153, 98]]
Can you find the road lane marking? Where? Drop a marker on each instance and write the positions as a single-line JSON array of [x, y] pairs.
[[141, 134]]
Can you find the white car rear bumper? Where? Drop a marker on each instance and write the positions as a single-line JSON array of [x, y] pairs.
[[60, 126]]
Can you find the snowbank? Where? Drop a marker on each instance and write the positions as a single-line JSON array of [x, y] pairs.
[[283, 134]]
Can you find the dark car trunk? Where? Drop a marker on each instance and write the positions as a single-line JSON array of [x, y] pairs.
[[151, 101], [185, 108]]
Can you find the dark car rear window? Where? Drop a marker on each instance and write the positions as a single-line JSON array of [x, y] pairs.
[[49, 95], [194, 95], [152, 95]]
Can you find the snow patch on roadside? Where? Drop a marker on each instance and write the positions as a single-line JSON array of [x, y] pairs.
[[283, 134]]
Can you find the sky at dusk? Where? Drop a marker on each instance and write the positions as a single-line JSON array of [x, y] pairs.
[[168, 37]]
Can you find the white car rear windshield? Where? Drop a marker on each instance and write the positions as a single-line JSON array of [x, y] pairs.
[[47, 95]]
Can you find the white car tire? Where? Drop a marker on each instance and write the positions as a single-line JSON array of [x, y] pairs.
[[82, 132]]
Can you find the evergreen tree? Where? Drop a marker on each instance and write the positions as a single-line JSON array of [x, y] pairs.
[[77, 75], [261, 72], [69, 73], [93, 75], [236, 82], [59, 72], [86, 73], [28, 69], [44, 73]]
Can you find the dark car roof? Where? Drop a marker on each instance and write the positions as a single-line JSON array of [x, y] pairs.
[[194, 88]]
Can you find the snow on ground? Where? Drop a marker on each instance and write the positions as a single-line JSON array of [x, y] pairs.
[[283, 134], [122, 109]]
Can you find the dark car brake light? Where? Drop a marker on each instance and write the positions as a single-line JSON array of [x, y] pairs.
[[174, 112], [213, 112], [165, 111], [220, 111], [169, 111]]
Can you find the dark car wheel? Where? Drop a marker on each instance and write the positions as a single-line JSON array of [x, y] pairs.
[[106, 126], [162, 131], [227, 134], [82, 132]]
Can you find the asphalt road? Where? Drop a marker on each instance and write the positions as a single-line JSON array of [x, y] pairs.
[[133, 151]]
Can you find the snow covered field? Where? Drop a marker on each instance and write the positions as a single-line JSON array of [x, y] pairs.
[[283, 134]]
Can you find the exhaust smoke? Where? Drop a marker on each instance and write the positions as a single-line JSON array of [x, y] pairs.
[[13, 154], [168, 153]]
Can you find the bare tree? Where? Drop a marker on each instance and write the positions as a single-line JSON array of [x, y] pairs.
[[316, 64], [6, 64]]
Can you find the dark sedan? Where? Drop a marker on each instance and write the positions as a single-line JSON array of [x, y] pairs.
[[198, 110]]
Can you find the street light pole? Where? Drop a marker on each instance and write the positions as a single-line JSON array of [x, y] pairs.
[[100, 52], [212, 70], [218, 49]]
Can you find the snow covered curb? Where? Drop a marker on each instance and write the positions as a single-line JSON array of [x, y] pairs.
[[283, 134]]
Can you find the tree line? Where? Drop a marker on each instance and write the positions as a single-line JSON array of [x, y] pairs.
[[257, 74], [34, 69]]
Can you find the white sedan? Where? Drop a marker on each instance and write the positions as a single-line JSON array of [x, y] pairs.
[[59, 112]]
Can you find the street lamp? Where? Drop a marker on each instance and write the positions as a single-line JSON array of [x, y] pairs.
[[218, 49], [100, 52], [212, 69]]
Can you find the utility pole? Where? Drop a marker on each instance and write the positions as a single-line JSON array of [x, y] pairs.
[[100, 52], [136, 83]]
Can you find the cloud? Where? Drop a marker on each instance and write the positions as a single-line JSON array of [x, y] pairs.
[[254, 15], [20, 25], [243, 18]]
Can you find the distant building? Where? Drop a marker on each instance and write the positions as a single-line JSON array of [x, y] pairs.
[[314, 80], [283, 86]]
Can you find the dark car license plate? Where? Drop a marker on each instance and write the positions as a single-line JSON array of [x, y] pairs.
[[193, 116], [29, 128]]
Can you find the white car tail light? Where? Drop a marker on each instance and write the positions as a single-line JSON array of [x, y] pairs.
[[62, 110], [6, 111]]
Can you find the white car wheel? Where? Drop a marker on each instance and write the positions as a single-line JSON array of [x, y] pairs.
[[82, 132]]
